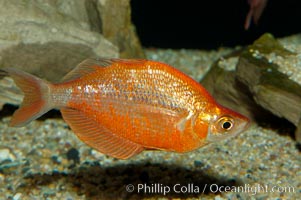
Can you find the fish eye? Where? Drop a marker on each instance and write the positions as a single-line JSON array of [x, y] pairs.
[[226, 123]]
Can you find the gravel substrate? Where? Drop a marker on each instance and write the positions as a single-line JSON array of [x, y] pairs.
[[45, 160]]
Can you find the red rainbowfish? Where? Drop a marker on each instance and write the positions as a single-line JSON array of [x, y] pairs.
[[122, 107]]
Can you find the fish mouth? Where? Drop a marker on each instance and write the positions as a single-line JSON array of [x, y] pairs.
[[241, 128]]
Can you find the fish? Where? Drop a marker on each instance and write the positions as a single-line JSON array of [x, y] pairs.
[[256, 9], [121, 107]]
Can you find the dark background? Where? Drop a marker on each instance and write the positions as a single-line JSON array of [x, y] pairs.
[[210, 24]]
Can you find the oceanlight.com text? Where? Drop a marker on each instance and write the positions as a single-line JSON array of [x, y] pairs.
[[158, 188]]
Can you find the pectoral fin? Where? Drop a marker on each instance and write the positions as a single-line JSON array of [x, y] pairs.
[[182, 123]]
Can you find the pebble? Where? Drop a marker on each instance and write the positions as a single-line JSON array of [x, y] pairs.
[[2, 178], [17, 196], [6, 155], [218, 197]]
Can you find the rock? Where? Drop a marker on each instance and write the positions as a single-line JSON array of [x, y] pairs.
[[39, 37], [6, 155], [9, 92], [222, 84], [117, 27], [111, 18], [73, 155], [272, 75], [260, 82], [49, 38], [17, 196]]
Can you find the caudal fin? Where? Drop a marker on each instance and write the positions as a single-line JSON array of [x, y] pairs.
[[35, 102]]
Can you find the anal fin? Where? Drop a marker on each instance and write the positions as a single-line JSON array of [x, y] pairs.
[[98, 137]]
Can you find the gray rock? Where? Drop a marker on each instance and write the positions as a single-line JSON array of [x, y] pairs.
[[111, 18], [6, 155], [116, 26], [9, 92], [48, 39], [273, 76], [39, 37], [271, 89], [264, 79], [223, 85]]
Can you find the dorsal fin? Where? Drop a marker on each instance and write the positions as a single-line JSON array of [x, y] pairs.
[[86, 67], [89, 65]]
